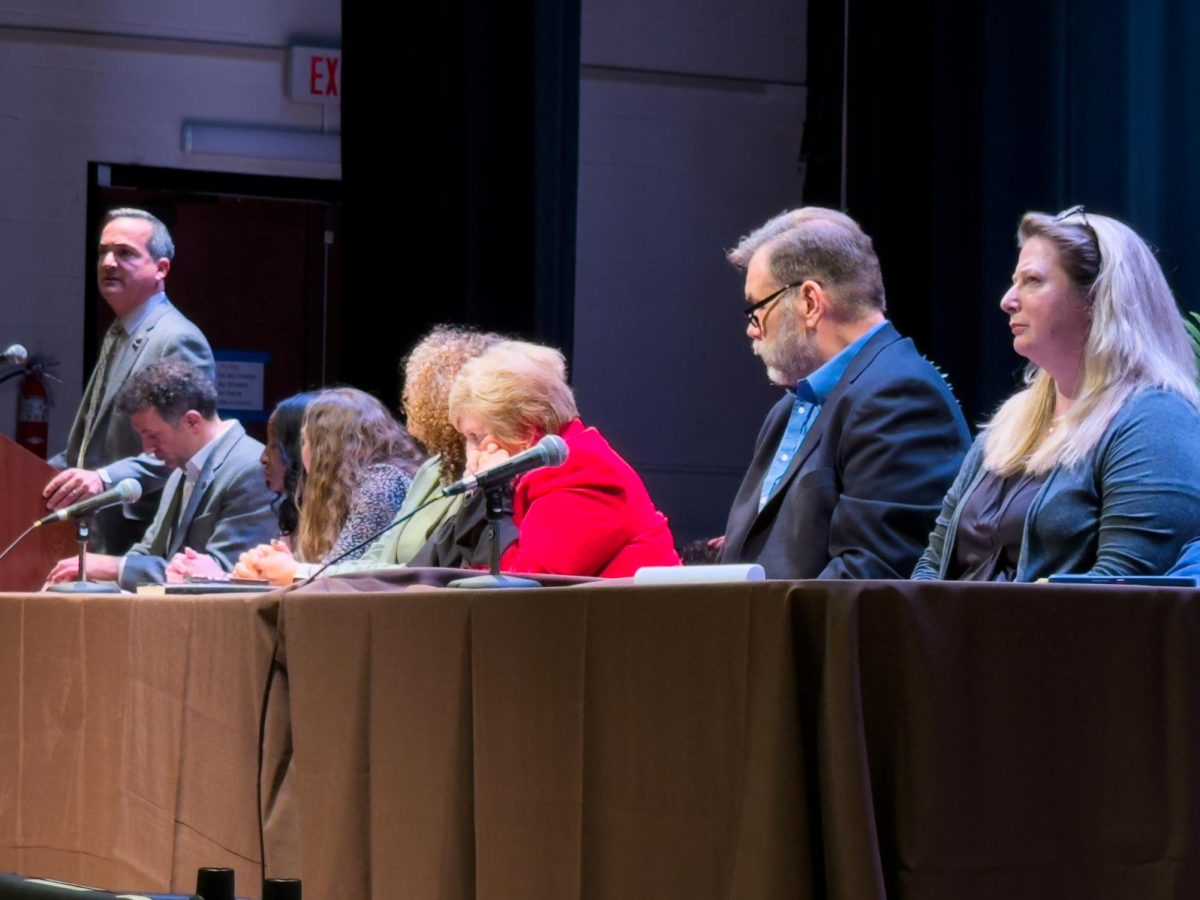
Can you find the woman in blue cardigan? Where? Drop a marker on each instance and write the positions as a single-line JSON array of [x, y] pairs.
[[1094, 467]]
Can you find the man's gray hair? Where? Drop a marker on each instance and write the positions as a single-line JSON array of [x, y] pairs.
[[773, 227], [822, 244], [160, 245]]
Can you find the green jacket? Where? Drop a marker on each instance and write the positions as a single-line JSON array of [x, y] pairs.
[[400, 544]]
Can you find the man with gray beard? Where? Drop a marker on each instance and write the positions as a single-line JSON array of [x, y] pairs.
[[851, 465]]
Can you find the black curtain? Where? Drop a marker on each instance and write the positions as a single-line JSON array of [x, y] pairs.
[[962, 116], [459, 149]]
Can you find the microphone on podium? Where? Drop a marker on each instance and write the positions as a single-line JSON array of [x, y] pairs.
[[127, 490]]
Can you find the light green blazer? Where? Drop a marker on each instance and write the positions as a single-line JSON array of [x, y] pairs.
[[400, 544]]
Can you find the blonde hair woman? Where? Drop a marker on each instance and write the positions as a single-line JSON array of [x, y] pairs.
[[1093, 466], [357, 462], [591, 515]]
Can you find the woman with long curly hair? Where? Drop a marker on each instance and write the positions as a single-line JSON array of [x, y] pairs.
[[358, 464], [429, 372]]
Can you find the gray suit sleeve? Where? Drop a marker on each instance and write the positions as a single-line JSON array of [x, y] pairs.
[[149, 471], [189, 345], [139, 567], [244, 520], [236, 516]]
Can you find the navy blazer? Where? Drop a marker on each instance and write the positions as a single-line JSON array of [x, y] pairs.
[[861, 494]]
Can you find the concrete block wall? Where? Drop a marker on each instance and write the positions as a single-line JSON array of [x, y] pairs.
[[114, 82]]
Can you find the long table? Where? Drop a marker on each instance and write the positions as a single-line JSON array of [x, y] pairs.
[[870, 739], [129, 736]]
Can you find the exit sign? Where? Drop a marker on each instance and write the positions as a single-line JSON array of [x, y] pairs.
[[316, 75]]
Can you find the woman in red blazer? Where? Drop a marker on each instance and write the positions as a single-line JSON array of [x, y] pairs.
[[590, 516]]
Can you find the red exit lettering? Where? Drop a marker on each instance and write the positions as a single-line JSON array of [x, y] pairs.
[[323, 76]]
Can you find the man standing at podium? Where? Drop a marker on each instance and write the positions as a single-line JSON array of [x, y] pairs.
[[134, 257]]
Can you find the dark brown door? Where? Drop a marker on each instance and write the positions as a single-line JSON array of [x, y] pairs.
[[260, 275]]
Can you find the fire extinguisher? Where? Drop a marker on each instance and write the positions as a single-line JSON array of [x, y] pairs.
[[33, 412]]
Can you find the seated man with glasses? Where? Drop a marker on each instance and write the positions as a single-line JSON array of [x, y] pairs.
[[851, 465]]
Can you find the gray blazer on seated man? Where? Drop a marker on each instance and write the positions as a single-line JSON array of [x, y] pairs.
[[216, 500]]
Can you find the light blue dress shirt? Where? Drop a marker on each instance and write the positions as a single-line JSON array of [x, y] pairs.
[[811, 393]]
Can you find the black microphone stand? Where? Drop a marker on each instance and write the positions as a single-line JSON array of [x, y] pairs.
[[498, 502], [83, 533]]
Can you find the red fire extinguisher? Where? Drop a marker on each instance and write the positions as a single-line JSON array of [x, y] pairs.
[[33, 412]]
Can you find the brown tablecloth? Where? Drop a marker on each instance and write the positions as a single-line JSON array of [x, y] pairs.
[[773, 740], [129, 736], [770, 740]]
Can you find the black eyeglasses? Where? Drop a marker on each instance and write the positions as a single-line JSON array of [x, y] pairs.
[[751, 311]]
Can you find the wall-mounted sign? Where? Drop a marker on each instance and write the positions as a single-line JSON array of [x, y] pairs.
[[240, 377], [315, 75]]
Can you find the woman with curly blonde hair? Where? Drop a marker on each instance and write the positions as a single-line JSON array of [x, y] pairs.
[[429, 371]]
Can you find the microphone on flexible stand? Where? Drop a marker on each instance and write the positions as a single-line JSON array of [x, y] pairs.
[[15, 354], [551, 450], [127, 490], [374, 536]]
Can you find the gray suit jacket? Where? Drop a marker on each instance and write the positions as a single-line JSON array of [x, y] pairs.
[[114, 444], [228, 512]]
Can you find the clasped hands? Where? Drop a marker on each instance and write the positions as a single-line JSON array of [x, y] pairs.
[[271, 562]]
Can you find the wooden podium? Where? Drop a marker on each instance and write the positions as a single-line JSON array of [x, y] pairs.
[[22, 477]]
